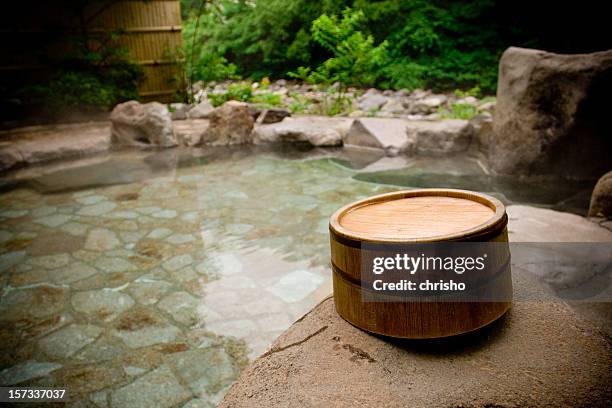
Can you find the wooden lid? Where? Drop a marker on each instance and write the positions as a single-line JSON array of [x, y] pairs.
[[419, 216]]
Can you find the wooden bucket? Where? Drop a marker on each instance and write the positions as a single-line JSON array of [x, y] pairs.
[[399, 221]]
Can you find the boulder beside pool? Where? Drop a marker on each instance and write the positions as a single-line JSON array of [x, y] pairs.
[[540, 354], [137, 124], [313, 130], [551, 115], [601, 199], [230, 124]]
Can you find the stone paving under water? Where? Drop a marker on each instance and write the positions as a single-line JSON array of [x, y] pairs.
[[150, 279], [157, 292]]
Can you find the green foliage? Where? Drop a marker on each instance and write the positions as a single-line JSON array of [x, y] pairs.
[[89, 78], [266, 99], [217, 99], [262, 38], [243, 92], [335, 103], [240, 91], [474, 91], [202, 63], [300, 104], [487, 99], [211, 67], [459, 110], [355, 61], [304, 74], [404, 74], [436, 44], [91, 71]]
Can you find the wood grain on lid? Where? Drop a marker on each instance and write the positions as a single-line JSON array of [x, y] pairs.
[[416, 217]]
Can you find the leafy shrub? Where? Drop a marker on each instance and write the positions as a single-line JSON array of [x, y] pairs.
[[267, 99], [459, 111], [98, 79], [438, 44], [211, 67], [263, 38], [475, 92], [335, 104], [355, 61], [239, 91], [243, 92], [300, 104], [202, 63], [217, 99]]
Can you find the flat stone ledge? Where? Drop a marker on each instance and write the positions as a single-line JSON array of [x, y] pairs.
[[316, 130], [39, 144], [538, 354]]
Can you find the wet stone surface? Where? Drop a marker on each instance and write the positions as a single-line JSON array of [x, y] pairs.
[[158, 292], [151, 279]]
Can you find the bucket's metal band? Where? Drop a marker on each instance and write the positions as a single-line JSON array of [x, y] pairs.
[[364, 285], [484, 236]]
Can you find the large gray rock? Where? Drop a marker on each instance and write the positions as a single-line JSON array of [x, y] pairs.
[[136, 124], [372, 100], [324, 361], [545, 246], [229, 124], [439, 138], [601, 199], [390, 135], [178, 111], [189, 132], [317, 131], [551, 114], [394, 106], [428, 104], [398, 136], [39, 144], [268, 115], [9, 157], [202, 110], [482, 126]]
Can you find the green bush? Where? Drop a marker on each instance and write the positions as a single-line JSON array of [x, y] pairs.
[[267, 99], [300, 104], [267, 38], [239, 91], [87, 82], [243, 92], [459, 110], [202, 63], [475, 92], [355, 61], [334, 103], [217, 99], [438, 44]]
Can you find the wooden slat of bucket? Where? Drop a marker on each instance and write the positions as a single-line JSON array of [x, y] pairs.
[[414, 320]]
